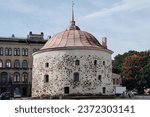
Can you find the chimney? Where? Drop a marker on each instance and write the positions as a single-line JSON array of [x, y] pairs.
[[42, 33], [49, 37], [30, 33], [104, 42], [13, 36]]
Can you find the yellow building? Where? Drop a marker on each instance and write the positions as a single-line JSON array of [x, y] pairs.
[[16, 63]]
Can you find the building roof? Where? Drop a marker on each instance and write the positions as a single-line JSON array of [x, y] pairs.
[[22, 40], [31, 38], [72, 37]]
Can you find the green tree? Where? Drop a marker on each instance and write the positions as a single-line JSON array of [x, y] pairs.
[[134, 67], [118, 61], [145, 77], [129, 83]]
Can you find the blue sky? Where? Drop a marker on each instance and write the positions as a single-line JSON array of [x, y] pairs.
[[126, 23]]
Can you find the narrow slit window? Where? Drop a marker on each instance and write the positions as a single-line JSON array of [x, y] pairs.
[[46, 78], [104, 63], [95, 62], [104, 90], [76, 77], [100, 77], [77, 62], [46, 64]]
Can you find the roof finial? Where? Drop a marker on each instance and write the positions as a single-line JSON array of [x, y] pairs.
[[72, 25], [72, 11]]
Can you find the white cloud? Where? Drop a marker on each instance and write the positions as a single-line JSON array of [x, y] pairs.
[[124, 5]]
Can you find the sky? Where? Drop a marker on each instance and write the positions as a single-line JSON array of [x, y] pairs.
[[125, 23]]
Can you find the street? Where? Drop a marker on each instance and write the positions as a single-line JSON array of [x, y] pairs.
[[142, 97], [135, 97]]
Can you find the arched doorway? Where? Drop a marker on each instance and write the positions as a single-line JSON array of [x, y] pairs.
[[17, 92], [4, 77]]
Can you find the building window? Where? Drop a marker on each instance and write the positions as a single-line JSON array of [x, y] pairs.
[[77, 62], [100, 77], [4, 77], [17, 91], [8, 51], [66, 90], [25, 64], [17, 64], [95, 62], [25, 77], [76, 77], [104, 90], [46, 64], [16, 77], [25, 52], [117, 82], [16, 51], [1, 51], [1, 64], [114, 81], [46, 78], [104, 63], [8, 64]]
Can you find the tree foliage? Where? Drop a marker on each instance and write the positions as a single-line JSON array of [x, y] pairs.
[[134, 67]]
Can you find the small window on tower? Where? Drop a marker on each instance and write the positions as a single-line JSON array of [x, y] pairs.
[[95, 62], [77, 62], [104, 63], [46, 64], [76, 77], [46, 78], [100, 77], [66, 90], [104, 90]]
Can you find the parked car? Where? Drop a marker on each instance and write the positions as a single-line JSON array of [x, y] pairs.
[[5, 96], [17, 95]]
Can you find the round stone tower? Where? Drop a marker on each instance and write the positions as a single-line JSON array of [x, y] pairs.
[[72, 62]]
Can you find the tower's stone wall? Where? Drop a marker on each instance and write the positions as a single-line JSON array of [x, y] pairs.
[[93, 79]]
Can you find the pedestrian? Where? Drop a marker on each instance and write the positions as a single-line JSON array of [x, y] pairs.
[[129, 94], [123, 94]]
